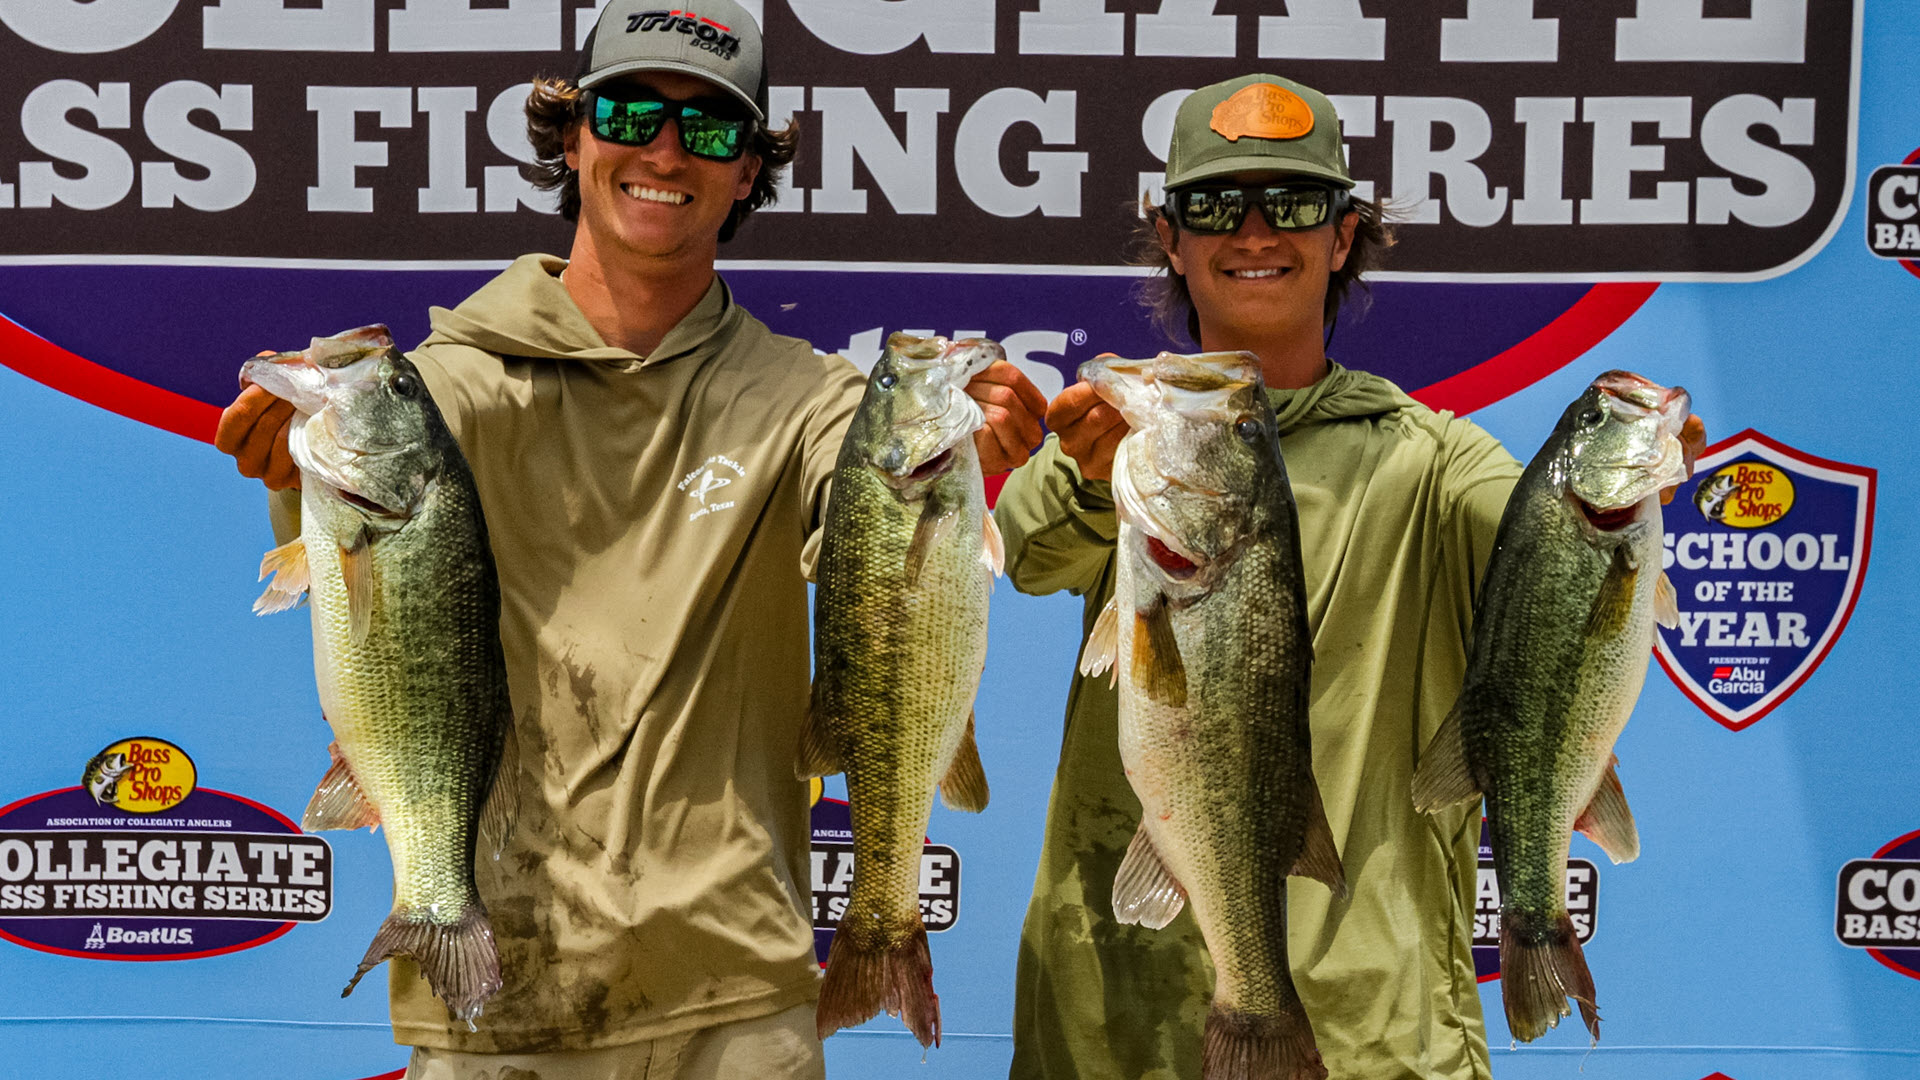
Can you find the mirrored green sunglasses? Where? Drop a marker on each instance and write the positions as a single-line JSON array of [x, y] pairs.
[[705, 131]]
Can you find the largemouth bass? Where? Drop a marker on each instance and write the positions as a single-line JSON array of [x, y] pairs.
[[406, 644], [906, 563], [1208, 625], [1562, 634]]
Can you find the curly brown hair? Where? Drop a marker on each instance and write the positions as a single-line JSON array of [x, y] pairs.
[[1165, 293], [556, 105]]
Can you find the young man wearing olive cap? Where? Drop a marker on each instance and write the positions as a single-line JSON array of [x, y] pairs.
[[653, 464], [1261, 239]]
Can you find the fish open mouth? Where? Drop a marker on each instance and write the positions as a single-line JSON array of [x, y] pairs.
[[932, 467], [1608, 520], [1175, 564], [363, 503]]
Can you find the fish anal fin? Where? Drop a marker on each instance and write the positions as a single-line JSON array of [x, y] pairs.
[[1614, 600], [1319, 856], [819, 756], [1145, 892], [291, 577], [356, 570], [993, 546], [1157, 667], [1666, 603], [965, 785], [1443, 780], [1608, 821], [503, 798], [1103, 644], [339, 802]]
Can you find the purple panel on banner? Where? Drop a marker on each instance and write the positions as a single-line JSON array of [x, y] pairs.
[[187, 329]]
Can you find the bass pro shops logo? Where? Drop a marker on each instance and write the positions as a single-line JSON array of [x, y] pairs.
[[714, 37], [1767, 552], [1878, 906]]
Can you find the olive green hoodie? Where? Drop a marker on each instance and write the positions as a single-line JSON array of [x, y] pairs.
[[652, 519], [1398, 510]]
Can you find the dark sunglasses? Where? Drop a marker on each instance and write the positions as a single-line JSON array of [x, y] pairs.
[[707, 129], [1286, 207]]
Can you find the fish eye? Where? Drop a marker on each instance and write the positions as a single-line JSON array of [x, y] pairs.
[[1250, 430], [404, 385], [887, 380], [1592, 417]]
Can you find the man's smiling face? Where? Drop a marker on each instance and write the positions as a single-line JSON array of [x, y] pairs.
[[657, 200], [1252, 283]]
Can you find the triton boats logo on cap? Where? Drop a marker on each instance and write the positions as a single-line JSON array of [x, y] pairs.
[[1264, 111], [714, 37]]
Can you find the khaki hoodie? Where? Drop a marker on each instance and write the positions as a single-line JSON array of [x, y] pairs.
[[652, 519], [1398, 510]]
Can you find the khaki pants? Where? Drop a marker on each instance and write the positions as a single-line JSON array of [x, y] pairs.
[[783, 1046]]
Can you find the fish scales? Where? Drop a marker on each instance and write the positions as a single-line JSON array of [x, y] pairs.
[[906, 563]]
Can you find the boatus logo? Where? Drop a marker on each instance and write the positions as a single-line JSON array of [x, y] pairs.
[[1878, 906], [1767, 547]]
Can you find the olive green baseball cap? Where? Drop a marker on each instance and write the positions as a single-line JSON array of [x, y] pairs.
[[1255, 123]]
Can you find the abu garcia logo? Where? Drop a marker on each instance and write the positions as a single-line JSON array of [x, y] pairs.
[[707, 34]]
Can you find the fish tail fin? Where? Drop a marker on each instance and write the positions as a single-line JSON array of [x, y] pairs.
[[1541, 966], [459, 960], [1243, 1046], [864, 977], [965, 785]]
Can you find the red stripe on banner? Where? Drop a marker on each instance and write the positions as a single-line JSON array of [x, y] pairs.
[[396, 1074], [50, 365], [1547, 350]]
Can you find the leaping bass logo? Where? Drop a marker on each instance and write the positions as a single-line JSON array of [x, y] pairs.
[[705, 482], [714, 37], [1767, 552]]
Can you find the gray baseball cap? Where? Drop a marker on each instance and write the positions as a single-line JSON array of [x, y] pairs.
[[1255, 123], [715, 40]]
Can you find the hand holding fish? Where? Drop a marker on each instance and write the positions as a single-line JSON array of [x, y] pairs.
[[1090, 430], [1013, 407], [253, 430]]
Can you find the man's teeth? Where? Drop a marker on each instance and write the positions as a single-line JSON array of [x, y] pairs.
[[655, 194], [1256, 273]]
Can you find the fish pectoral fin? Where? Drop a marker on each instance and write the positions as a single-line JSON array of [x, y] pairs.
[[1103, 644], [1443, 780], [356, 570], [936, 520], [1608, 615], [1145, 892], [291, 579], [1666, 603], [965, 785], [339, 803], [502, 808], [1608, 821], [818, 754], [993, 552], [1157, 667], [1319, 857]]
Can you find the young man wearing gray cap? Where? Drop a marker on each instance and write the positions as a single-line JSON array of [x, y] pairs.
[[1261, 238], [653, 464]]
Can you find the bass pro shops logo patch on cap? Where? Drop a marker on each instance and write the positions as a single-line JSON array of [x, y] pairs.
[[1264, 111]]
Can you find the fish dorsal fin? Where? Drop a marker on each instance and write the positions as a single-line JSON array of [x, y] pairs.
[[1103, 644], [1443, 780], [1157, 667], [502, 808], [1611, 604], [339, 802], [1666, 603], [993, 547], [819, 755], [288, 565], [356, 570], [965, 785], [1607, 821], [1145, 892], [936, 520], [1319, 857]]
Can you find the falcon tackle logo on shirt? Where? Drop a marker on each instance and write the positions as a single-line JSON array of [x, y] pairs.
[[704, 484], [139, 862], [1767, 552], [714, 37], [1878, 905]]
